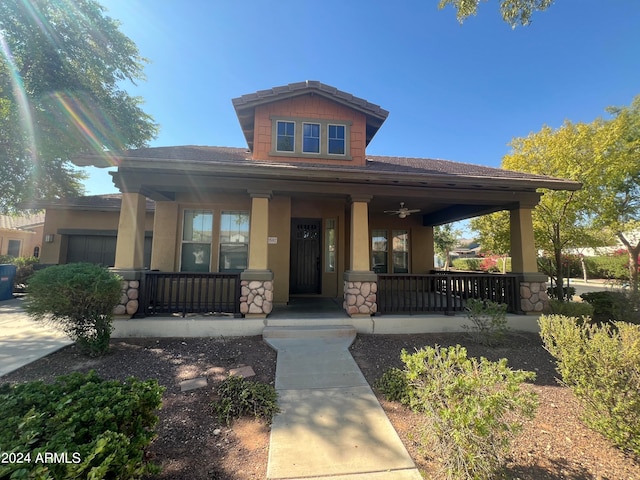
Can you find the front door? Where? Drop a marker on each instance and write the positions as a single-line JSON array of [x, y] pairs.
[[305, 271]]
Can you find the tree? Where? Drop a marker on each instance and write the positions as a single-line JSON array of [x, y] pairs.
[[563, 219], [61, 70], [494, 234], [445, 239], [513, 12], [618, 182]]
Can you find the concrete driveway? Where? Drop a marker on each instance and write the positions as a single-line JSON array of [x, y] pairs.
[[22, 340]]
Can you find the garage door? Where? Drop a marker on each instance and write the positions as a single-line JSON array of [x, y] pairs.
[[99, 249]]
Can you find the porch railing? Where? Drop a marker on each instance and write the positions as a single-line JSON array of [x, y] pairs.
[[182, 292], [445, 292]]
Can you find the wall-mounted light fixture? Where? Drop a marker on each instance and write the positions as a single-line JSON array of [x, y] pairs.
[[48, 238]]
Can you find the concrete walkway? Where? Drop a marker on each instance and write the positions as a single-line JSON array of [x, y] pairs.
[[330, 424], [22, 340]]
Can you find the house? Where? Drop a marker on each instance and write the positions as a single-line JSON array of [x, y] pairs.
[[84, 229], [21, 236], [304, 210]]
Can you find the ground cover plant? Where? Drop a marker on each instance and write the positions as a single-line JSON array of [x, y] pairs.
[[601, 364], [77, 298], [96, 428], [239, 397], [472, 407]]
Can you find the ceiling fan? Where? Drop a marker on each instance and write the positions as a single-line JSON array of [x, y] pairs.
[[402, 212]]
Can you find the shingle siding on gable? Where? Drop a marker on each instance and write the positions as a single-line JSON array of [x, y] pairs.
[[309, 107]]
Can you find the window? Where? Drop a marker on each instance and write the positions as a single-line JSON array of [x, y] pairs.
[[286, 136], [13, 249], [400, 247], [311, 138], [336, 140], [330, 245], [197, 233], [36, 252], [234, 241], [379, 251]]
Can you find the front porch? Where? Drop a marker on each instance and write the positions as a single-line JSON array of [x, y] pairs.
[[301, 312]]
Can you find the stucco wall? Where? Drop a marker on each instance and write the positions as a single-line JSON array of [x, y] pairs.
[[312, 107], [55, 252]]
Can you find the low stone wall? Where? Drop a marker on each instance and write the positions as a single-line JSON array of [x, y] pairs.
[[360, 298], [256, 297], [129, 298], [533, 297]]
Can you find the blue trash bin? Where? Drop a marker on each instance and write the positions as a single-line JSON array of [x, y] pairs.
[[7, 277]]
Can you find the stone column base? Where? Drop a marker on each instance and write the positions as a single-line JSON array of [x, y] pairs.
[[360, 294], [256, 295], [533, 293], [130, 292]]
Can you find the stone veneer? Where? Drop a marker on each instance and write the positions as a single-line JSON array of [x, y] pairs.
[[360, 298], [128, 299], [256, 297], [533, 297]]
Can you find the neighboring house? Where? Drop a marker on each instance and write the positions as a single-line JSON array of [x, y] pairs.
[[85, 229], [21, 236], [304, 209]]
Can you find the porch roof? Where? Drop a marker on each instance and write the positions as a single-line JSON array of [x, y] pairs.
[[385, 169]]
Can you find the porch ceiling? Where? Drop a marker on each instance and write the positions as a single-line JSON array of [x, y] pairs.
[[439, 202]]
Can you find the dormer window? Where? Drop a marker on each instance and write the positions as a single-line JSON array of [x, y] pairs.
[[336, 140], [286, 136], [310, 138]]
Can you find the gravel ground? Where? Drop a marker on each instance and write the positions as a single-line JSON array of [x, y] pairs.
[[192, 445]]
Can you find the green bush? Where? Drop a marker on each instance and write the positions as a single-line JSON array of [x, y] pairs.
[[77, 298], [393, 384], [472, 264], [489, 321], [613, 306], [239, 397], [601, 364], [608, 266], [473, 407], [571, 309], [102, 426]]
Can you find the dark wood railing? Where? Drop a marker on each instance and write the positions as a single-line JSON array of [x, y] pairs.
[[182, 292], [445, 292]]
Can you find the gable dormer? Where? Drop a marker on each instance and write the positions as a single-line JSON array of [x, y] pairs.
[[308, 122]]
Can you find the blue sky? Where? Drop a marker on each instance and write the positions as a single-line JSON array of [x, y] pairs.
[[457, 92]]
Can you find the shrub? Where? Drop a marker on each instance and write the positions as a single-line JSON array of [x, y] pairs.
[[613, 306], [472, 264], [102, 426], [571, 309], [473, 407], [489, 321], [77, 298], [601, 364], [393, 384], [608, 266], [567, 292], [239, 397]]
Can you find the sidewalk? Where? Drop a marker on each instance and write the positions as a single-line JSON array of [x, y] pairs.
[[22, 340], [330, 424]]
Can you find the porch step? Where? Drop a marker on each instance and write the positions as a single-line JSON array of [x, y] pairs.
[[310, 332]]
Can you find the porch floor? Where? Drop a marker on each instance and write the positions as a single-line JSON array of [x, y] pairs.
[[300, 307]]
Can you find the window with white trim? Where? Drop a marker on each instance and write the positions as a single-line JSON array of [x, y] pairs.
[[330, 245], [234, 241], [336, 139], [197, 233], [312, 138], [285, 137]]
